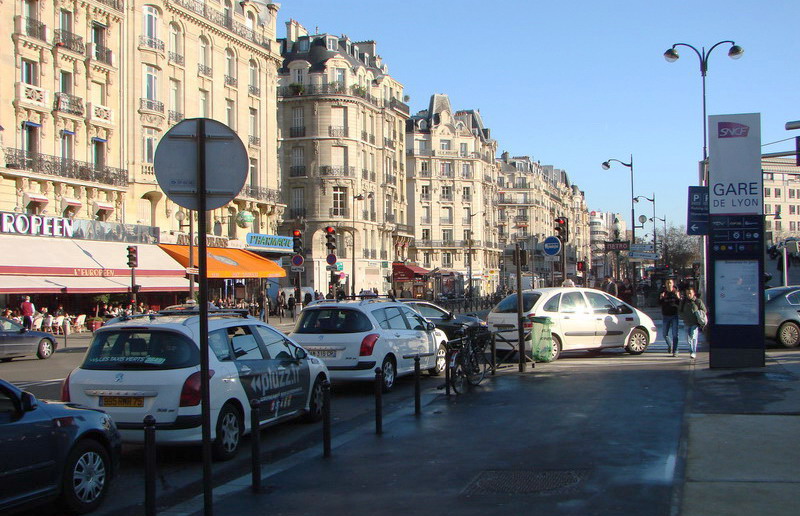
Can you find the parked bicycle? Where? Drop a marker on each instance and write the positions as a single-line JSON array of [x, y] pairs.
[[468, 363]]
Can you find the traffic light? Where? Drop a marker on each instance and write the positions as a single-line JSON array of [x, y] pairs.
[[562, 229], [334, 278], [297, 241], [581, 266], [330, 239], [133, 256]]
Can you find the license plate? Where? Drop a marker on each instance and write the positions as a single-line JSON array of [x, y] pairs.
[[324, 353], [121, 401]]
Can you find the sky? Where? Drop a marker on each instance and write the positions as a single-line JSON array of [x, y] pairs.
[[572, 84]]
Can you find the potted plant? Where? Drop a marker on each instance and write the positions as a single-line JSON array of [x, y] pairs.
[[93, 323], [359, 91], [297, 89]]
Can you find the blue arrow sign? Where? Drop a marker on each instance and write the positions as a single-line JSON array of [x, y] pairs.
[[552, 246], [697, 218]]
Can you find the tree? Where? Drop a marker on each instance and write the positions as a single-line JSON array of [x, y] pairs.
[[680, 249]]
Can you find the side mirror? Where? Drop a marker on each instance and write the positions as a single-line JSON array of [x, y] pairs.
[[430, 326], [449, 317], [300, 353], [613, 310], [28, 402]]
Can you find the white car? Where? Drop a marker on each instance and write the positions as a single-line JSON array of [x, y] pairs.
[[582, 318], [355, 337], [151, 366]]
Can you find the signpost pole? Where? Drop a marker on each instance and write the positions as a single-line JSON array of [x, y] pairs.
[[520, 308], [208, 500]]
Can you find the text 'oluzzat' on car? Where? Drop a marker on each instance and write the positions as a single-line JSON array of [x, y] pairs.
[[355, 337], [150, 365], [582, 318]]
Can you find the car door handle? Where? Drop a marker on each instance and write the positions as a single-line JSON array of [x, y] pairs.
[[396, 334], [246, 369]]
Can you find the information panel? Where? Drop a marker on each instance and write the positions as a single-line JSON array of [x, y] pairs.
[[736, 299]]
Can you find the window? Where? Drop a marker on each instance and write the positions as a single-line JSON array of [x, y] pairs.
[[149, 141], [230, 113], [509, 304], [142, 350], [423, 167], [298, 156], [30, 138], [302, 45], [463, 149], [29, 72], [65, 20], [466, 170], [298, 198], [253, 116], [447, 193], [205, 110], [298, 117], [426, 214], [175, 95], [778, 225], [444, 145], [447, 169], [599, 303], [777, 192], [426, 234], [67, 144], [766, 192], [426, 192], [572, 302], [390, 318], [792, 209], [792, 225], [98, 153], [299, 76], [64, 82], [230, 63], [339, 200], [447, 259], [150, 27], [447, 235], [253, 172], [244, 343], [552, 304], [467, 235], [467, 193], [251, 21], [447, 215], [335, 320], [175, 39], [253, 75], [340, 75], [332, 44], [791, 193], [227, 11], [150, 85], [205, 52]]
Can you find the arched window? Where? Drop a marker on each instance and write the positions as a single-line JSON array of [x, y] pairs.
[[227, 12], [205, 52], [175, 39], [251, 21], [150, 20], [230, 63], [254, 88]]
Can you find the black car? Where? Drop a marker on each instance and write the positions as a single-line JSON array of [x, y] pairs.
[[16, 341], [446, 321], [53, 450]]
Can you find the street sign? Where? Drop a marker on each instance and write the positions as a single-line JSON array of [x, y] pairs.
[[644, 248], [697, 217], [176, 164], [642, 255], [617, 245], [192, 270], [339, 266], [298, 269], [331, 259], [552, 246], [551, 257], [297, 260], [331, 268]]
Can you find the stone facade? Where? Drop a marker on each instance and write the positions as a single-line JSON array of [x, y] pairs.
[[781, 196]]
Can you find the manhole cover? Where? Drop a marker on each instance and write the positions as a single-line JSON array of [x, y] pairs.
[[523, 481]]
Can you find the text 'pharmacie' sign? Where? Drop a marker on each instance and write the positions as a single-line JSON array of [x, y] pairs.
[[735, 176], [79, 229], [276, 242]]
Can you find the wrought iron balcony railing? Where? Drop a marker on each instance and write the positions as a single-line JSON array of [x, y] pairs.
[[337, 171], [151, 105], [254, 90], [231, 81], [70, 168], [149, 42], [297, 171], [35, 29], [261, 193], [297, 132], [204, 70], [337, 131], [296, 213], [175, 116], [103, 54], [70, 41], [226, 21], [254, 140], [176, 58]]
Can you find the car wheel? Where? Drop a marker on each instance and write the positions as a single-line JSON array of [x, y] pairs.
[[86, 477], [389, 373], [637, 342], [315, 402], [789, 334], [441, 361], [45, 349], [556, 348], [229, 433]]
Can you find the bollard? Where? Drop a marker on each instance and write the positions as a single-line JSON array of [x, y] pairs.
[[150, 465], [255, 447], [326, 418], [378, 401], [447, 356], [417, 388], [494, 353]]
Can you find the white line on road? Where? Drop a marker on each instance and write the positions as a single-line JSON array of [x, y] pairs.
[[38, 382]]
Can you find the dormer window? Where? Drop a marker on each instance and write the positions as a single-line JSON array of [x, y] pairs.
[[333, 44], [302, 45]]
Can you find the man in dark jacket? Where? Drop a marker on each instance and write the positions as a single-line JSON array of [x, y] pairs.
[[610, 286], [670, 299]]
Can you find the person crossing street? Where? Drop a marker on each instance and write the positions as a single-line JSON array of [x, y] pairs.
[[670, 299]]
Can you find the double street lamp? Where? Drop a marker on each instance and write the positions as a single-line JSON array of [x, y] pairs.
[[655, 239], [607, 165]]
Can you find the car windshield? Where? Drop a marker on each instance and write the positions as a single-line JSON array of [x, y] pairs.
[[509, 304], [8, 325], [332, 320], [776, 292], [140, 349]]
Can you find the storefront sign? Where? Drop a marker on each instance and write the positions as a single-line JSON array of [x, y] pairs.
[[81, 229], [95, 272], [279, 243]]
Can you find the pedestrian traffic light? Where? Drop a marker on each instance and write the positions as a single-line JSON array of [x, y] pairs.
[[562, 228], [133, 256], [330, 239], [581, 266], [297, 241]]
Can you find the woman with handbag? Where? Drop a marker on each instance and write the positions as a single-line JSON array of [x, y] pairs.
[[694, 315]]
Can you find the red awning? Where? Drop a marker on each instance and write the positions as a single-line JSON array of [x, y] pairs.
[[403, 272]]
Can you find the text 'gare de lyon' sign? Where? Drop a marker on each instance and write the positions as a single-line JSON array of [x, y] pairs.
[[735, 165]]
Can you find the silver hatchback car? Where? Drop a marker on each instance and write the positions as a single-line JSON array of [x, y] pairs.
[[781, 317]]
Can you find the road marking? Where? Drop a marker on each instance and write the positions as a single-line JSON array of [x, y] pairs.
[[35, 383]]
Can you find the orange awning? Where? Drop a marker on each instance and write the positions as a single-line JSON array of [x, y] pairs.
[[229, 263]]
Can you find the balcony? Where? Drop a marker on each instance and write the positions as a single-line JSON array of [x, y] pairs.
[[73, 169], [222, 20], [425, 197], [521, 218], [364, 174], [101, 53], [115, 4], [98, 113], [419, 152], [372, 139], [337, 171], [297, 132], [445, 220], [204, 70], [297, 171], [70, 104], [446, 173], [254, 90], [388, 142], [466, 221], [255, 141], [439, 243], [466, 175], [487, 178], [174, 116], [261, 193], [391, 180], [330, 88], [467, 198], [176, 58], [151, 105], [66, 39], [405, 229], [390, 217], [33, 29], [296, 213], [425, 220], [231, 81], [337, 131], [339, 212], [364, 135], [153, 43], [384, 254], [400, 107], [31, 95], [446, 197], [425, 173]]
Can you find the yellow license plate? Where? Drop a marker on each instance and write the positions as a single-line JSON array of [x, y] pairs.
[[121, 401]]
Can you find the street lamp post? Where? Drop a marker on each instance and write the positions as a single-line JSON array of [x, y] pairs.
[[181, 216], [655, 238], [607, 165], [469, 255], [664, 243], [359, 197]]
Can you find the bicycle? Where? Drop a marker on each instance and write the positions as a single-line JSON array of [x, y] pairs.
[[468, 364]]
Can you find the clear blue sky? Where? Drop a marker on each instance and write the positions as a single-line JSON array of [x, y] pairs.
[[574, 83]]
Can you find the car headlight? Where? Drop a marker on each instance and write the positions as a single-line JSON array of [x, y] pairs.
[[483, 323]]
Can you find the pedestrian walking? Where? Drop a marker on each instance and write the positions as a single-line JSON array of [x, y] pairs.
[[694, 315], [290, 304], [27, 309], [610, 286], [670, 299], [626, 291]]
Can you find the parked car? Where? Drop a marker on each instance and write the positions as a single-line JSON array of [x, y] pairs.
[[54, 450], [446, 320], [582, 318], [151, 365], [781, 316], [16, 341], [354, 337]]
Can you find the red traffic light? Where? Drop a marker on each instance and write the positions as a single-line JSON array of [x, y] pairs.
[[561, 220], [297, 233], [330, 230]]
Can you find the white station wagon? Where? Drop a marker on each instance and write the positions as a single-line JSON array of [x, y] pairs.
[[151, 365]]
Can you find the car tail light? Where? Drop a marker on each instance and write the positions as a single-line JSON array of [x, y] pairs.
[[190, 394], [367, 344], [527, 324], [65, 389]]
